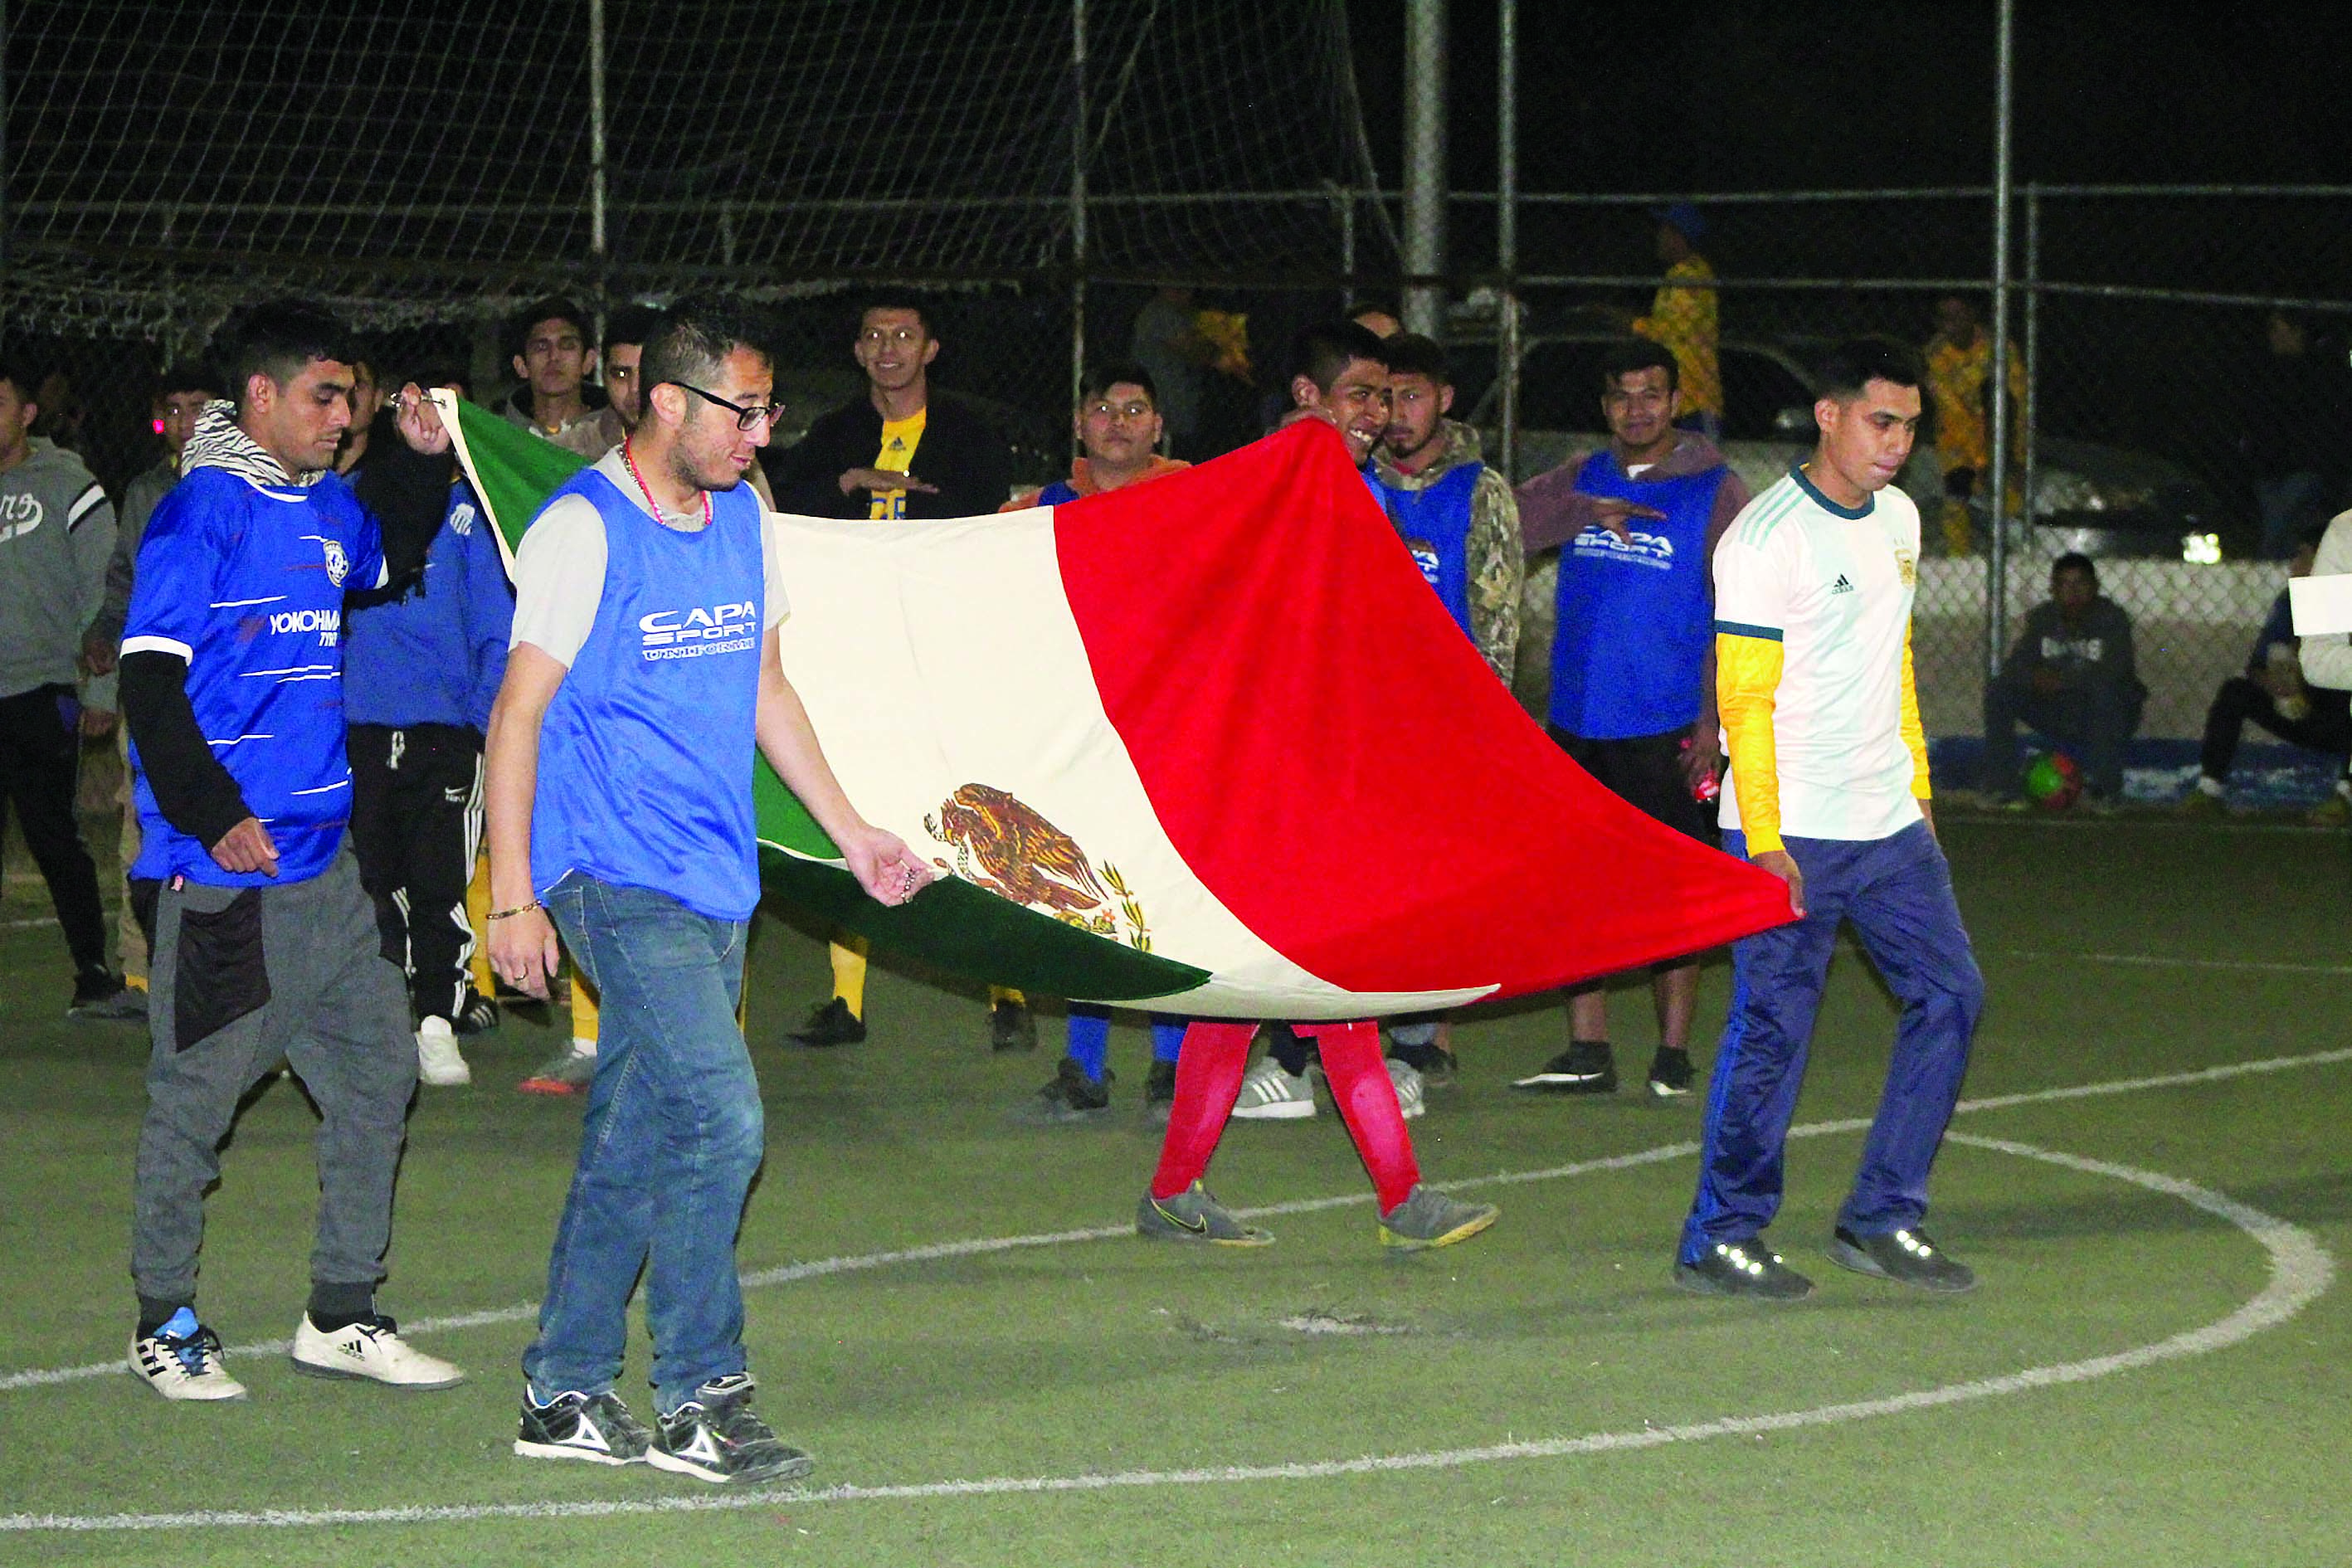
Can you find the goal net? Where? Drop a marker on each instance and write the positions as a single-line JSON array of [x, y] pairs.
[[415, 161]]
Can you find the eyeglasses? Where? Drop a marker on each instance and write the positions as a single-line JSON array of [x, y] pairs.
[[744, 417]]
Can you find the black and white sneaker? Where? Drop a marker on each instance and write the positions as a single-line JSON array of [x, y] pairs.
[[1586, 1066], [714, 1436], [1746, 1267], [477, 1015], [1670, 1074], [1905, 1256], [597, 1427], [182, 1360]]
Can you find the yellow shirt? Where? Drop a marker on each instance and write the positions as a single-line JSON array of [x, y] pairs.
[[1955, 378], [1683, 320], [899, 439]]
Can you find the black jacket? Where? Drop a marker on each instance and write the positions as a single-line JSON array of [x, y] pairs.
[[960, 452]]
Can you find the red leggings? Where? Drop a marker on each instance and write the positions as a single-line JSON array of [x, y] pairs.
[[1209, 1071]]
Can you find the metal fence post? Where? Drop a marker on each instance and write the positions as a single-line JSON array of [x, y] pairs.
[[1078, 201], [2028, 421], [1997, 557], [1424, 164], [596, 174], [1507, 226]]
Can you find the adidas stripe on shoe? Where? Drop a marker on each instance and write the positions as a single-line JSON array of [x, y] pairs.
[[373, 1350], [182, 1360]]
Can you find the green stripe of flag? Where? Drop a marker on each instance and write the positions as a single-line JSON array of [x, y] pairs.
[[514, 472]]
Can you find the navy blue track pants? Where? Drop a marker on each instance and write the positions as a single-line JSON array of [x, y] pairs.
[[1897, 891]]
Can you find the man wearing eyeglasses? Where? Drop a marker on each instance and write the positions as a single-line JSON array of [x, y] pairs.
[[903, 451], [571, 1068], [648, 594]]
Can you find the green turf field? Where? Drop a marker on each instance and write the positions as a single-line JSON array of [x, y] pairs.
[[2154, 1370]]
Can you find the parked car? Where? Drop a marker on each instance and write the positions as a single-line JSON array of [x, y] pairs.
[[2102, 501]]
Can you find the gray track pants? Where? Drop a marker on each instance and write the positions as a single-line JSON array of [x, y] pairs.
[[335, 1009]]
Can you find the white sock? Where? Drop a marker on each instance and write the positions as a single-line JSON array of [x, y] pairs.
[[2208, 785], [580, 1047]]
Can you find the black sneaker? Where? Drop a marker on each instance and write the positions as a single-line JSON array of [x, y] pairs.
[[597, 1427], [1905, 1256], [1011, 1028], [714, 1436], [1071, 1097], [1586, 1066], [831, 1024], [99, 996], [477, 1014], [1160, 1091], [1670, 1074], [1746, 1267]]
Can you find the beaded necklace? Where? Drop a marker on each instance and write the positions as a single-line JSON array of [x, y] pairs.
[[630, 464]]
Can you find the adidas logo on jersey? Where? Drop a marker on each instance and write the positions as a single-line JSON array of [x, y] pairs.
[[1842, 585]]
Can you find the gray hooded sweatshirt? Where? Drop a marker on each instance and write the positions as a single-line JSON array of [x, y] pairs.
[[56, 531]]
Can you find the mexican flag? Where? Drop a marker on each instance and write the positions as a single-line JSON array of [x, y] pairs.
[[1207, 744]]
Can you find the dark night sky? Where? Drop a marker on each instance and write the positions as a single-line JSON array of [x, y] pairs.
[[1764, 94]]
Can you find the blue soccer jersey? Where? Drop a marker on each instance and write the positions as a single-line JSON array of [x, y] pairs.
[[245, 582]]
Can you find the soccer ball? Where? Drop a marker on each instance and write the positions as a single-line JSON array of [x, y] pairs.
[[2054, 782]]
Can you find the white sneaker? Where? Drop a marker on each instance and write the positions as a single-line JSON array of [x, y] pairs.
[[439, 1060], [1270, 1094], [1412, 1099], [372, 1348], [182, 1360]]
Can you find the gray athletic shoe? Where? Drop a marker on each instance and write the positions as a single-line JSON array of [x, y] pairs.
[[569, 1071], [1905, 1256], [1194, 1215], [1071, 1099], [108, 1000], [1429, 1218]]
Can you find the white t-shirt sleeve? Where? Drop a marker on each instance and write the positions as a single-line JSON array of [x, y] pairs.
[[560, 579], [1751, 589], [771, 558]]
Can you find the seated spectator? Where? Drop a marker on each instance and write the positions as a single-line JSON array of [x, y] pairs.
[[2273, 694], [2070, 676]]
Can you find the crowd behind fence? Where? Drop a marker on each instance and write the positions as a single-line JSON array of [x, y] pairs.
[[2157, 406]]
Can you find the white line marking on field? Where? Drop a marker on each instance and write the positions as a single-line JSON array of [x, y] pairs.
[[2143, 960], [2300, 1271], [981, 1246]]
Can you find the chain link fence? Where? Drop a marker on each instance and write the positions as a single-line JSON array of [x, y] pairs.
[[2180, 376], [2180, 397]]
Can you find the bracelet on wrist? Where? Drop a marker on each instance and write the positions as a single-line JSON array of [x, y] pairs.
[[518, 909]]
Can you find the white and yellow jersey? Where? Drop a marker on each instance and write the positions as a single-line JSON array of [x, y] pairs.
[[1812, 605]]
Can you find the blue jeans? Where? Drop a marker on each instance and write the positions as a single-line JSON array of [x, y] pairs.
[[673, 1136], [1897, 891]]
